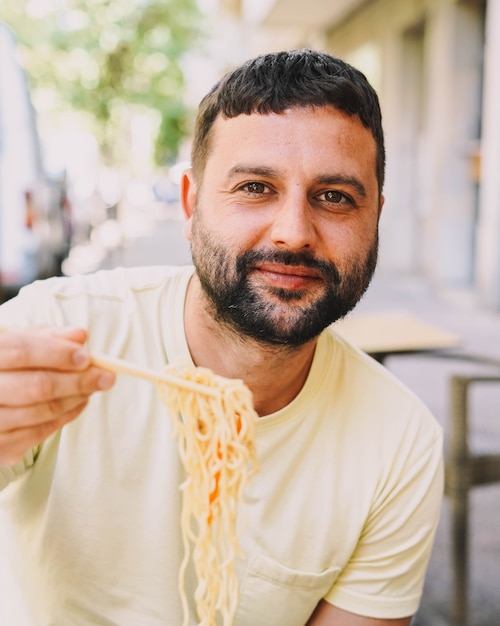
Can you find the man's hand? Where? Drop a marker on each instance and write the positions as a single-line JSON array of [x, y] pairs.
[[46, 380]]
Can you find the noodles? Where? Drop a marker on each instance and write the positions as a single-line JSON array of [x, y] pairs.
[[217, 449]]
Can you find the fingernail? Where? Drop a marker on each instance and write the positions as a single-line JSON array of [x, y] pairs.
[[80, 357], [105, 380]]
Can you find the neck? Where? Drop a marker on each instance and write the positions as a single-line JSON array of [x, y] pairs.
[[274, 374]]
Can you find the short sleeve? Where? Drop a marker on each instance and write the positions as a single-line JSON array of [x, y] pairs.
[[384, 578], [9, 474], [33, 306]]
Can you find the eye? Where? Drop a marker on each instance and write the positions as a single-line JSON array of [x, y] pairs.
[[334, 197], [254, 187]]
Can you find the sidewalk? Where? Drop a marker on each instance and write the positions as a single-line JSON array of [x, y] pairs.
[[429, 377]]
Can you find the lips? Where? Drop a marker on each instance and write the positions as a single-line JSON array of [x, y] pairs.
[[288, 276]]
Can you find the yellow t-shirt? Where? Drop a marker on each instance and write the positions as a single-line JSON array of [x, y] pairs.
[[345, 505]]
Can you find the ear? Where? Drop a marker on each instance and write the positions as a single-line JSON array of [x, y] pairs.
[[188, 194]]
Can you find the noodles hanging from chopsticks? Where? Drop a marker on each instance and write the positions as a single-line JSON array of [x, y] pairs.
[[216, 439]]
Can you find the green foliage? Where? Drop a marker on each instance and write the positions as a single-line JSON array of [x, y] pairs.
[[105, 57]]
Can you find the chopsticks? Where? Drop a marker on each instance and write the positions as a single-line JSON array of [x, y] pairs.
[[120, 366]]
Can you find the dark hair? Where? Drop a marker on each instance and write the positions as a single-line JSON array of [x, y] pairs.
[[271, 83]]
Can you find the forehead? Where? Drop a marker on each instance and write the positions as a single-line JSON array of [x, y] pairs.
[[312, 137]]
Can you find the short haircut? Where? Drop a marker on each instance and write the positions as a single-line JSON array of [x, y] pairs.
[[272, 83]]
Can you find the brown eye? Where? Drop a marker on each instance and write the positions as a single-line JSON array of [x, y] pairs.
[[334, 196], [336, 199], [255, 187]]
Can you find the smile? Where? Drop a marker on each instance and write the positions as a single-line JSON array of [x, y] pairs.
[[288, 276]]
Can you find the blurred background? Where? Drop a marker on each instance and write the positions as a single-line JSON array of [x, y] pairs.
[[97, 101], [103, 115]]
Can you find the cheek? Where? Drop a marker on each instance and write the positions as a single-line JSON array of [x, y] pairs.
[[351, 240]]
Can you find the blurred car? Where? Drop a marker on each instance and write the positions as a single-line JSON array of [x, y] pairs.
[[34, 233]]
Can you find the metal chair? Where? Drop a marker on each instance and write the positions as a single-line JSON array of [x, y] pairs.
[[464, 470]]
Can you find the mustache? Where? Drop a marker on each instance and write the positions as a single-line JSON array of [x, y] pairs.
[[326, 269]]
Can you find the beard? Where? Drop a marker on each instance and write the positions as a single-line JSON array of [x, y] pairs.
[[275, 316]]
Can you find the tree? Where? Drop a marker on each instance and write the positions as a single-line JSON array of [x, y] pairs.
[[108, 58]]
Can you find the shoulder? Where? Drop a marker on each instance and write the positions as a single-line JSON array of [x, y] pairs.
[[116, 283], [353, 367], [375, 401], [47, 301]]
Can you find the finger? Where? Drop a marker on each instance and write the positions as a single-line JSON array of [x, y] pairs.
[[79, 335], [31, 387], [16, 418], [15, 444], [42, 348]]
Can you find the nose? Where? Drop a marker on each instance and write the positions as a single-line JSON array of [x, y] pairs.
[[293, 227]]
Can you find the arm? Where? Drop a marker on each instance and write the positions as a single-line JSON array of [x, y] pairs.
[[45, 382], [328, 615]]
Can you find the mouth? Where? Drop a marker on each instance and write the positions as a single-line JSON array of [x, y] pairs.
[[281, 276]]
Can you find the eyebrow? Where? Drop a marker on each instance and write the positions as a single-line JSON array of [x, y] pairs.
[[327, 179], [270, 172], [350, 181]]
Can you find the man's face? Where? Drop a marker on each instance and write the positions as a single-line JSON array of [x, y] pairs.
[[283, 227]]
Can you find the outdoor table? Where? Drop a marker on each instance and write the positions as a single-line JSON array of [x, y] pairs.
[[383, 334]]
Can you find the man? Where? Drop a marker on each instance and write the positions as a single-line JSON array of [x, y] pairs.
[[282, 205]]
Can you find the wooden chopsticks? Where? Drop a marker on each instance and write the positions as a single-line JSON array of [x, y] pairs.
[[120, 366]]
